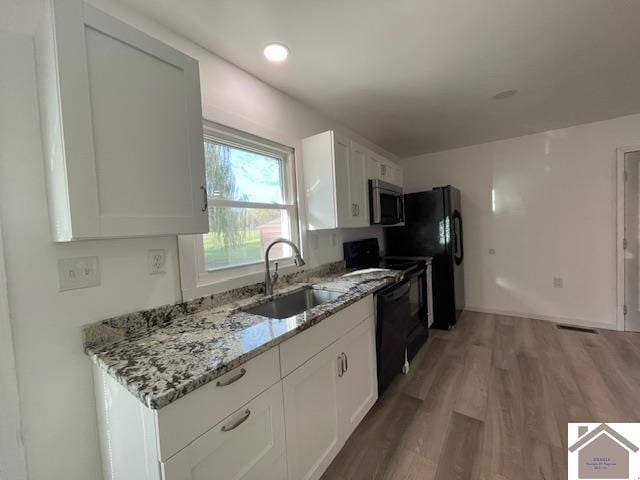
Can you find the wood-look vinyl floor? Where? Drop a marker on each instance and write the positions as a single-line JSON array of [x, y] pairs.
[[491, 400]]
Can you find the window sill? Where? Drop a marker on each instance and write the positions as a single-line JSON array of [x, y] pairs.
[[211, 282]]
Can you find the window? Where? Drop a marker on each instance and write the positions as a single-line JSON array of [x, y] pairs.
[[251, 192]]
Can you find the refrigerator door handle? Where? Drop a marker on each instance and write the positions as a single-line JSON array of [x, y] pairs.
[[458, 238]]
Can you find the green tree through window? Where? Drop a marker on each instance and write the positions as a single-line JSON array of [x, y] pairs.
[[247, 207]]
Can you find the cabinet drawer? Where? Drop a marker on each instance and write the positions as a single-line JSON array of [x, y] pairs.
[[249, 444], [192, 415], [302, 347]]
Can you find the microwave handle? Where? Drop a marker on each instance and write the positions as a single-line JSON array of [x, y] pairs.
[[401, 208], [377, 216]]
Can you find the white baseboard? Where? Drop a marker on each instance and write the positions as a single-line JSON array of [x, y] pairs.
[[566, 321]]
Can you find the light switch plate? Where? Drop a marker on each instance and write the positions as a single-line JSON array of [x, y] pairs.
[[78, 272], [157, 261]]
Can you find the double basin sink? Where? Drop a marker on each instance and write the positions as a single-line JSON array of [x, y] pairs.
[[294, 303]]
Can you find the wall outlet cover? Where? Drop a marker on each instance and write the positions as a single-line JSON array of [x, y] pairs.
[[558, 282], [157, 261], [78, 272]]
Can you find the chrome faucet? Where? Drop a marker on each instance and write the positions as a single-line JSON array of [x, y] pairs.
[[270, 280]]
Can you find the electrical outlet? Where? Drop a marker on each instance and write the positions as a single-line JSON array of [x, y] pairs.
[[558, 282], [79, 272], [157, 261]]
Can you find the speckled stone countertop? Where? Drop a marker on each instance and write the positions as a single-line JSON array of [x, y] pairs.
[[163, 354]]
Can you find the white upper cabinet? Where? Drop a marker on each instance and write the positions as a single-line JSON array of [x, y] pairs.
[[335, 182], [358, 186], [398, 176], [122, 128], [379, 168]]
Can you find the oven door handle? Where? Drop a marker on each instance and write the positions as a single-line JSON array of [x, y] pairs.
[[417, 273], [396, 293]]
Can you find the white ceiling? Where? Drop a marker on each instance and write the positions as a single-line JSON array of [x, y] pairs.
[[417, 76]]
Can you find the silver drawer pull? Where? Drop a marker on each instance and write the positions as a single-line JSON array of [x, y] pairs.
[[237, 423], [233, 379], [346, 362]]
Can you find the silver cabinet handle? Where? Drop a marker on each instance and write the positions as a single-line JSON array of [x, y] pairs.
[[206, 199], [238, 422], [340, 366], [346, 361], [235, 378]]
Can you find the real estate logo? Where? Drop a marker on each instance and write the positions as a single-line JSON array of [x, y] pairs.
[[604, 450]]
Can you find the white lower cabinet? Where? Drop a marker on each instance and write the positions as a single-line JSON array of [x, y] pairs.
[[312, 416], [358, 386], [247, 445], [326, 398], [283, 415]]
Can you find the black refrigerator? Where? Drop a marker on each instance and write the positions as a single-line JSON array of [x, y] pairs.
[[433, 228]]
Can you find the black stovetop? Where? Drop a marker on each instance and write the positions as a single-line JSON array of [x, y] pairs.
[[366, 254]]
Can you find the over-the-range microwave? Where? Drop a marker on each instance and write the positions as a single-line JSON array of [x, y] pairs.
[[386, 203]]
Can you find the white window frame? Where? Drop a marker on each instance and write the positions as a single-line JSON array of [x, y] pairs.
[[195, 278]]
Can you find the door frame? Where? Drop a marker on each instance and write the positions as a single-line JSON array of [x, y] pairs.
[[12, 455], [620, 154]]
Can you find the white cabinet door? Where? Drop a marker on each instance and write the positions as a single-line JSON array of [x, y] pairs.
[[123, 128], [358, 186], [341, 168], [247, 445], [335, 176], [373, 166], [312, 418], [386, 171], [358, 386], [398, 176]]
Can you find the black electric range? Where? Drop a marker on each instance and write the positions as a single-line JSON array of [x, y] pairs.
[[401, 308], [362, 254]]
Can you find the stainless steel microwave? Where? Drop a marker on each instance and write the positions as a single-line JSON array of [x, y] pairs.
[[386, 203]]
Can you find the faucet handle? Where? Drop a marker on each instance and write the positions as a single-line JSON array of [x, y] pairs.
[[274, 276]]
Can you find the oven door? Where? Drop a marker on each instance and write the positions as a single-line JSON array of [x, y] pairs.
[[418, 315], [386, 203]]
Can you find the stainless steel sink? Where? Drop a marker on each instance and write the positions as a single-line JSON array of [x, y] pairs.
[[294, 303]]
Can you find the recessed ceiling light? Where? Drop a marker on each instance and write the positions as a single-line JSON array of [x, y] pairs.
[[505, 94], [276, 52]]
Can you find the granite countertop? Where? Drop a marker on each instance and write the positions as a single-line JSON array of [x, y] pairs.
[[180, 348]]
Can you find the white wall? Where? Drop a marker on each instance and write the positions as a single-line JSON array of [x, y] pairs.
[[554, 216], [54, 375]]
